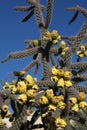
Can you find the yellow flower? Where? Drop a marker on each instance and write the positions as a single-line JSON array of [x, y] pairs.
[[80, 54], [8, 114], [61, 97], [60, 83], [56, 99], [44, 38], [58, 37], [19, 74], [75, 108], [35, 42], [60, 123], [51, 107], [62, 53], [67, 75], [21, 87], [83, 104], [22, 72], [1, 120], [54, 41], [61, 105], [14, 82], [43, 100], [22, 98], [6, 85], [35, 79], [65, 49], [81, 96], [48, 34], [60, 72], [54, 70], [32, 100], [62, 44], [54, 79], [35, 87], [54, 34], [82, 48], [13, 89], [73, 100], [31, 93], [85, 53], [49, 93], [4, 108], [68, 83], [44, 115], [29, 80]]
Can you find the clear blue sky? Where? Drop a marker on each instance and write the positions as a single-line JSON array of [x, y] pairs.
[[13, 32]]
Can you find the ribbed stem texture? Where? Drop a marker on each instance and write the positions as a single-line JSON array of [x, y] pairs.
[[80, 37], [21, 54], [49, 13]]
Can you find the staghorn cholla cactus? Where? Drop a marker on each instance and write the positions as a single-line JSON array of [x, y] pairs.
[[59, 99]]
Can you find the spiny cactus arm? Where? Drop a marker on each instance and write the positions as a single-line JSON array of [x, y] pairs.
[[36, 62], [78, 9], [52, 59], [7, 94], [80, 37], [28, 16], [82, 66], [55, 51], [81, 88], [61, 61], [74, 17], [21, 54], [49, 13], [46, 68], [80, 78], [35, 4], [45, 83], [29, 43], [67, 59], [71, 38], [28, 8], [35, 116], [18, 121], [70, 92], [39, 18], [24, 8]]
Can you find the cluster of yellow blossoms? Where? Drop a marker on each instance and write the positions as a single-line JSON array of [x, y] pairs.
[[83, 52], [63, 48], [35, 42], [60, 123], [25, 90], [61, 77], [53, 102], [53, 37], [78, 102], [4, 112]]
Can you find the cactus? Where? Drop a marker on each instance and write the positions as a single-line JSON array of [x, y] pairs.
[[59, 98]]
